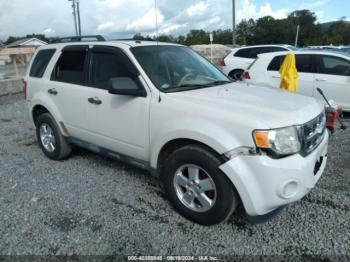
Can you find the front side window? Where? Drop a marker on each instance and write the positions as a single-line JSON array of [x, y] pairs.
[[70, 67], [333, 65], [107, 65], [177, 68], [40, 62]]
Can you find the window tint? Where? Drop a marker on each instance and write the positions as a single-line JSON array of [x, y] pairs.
[[40, 62], [70, 67], [106, 65], [243, 53], [304, 63], [275, 49], [276, 63], [333, 66]]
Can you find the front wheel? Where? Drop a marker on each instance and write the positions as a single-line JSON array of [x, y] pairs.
[[197, 188]]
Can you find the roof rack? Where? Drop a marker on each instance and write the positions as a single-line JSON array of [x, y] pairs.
[[83, 38]]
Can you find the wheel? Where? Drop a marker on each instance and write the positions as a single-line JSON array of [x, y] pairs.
[[50, 139], [196, 187], [236, 75]]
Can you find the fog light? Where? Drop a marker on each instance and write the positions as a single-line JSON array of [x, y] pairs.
[[289, 189]]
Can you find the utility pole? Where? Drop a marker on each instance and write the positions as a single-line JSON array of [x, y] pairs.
[[76, 17], [297, 36], [234, 23], [78, 14]]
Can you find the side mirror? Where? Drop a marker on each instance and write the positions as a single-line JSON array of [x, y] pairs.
[[125, 86]]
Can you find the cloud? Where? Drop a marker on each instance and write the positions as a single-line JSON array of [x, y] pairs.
[[49, 32], [106, 27], [123, 18], [146, 22], [248, 9], [198, 8]]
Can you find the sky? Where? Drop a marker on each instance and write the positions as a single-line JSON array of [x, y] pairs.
[[124, 18]]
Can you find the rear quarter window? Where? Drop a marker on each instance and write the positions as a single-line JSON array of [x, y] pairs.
[[40, 62], [276, 63]]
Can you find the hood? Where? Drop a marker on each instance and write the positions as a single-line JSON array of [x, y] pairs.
[[274, 107]]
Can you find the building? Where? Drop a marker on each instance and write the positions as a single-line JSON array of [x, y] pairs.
[[27, 42]]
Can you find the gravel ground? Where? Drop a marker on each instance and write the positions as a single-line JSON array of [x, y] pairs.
[[90, 205]]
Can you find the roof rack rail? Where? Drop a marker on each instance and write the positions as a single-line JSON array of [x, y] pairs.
[[83, 38]]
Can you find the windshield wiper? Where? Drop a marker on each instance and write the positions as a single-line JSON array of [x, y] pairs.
[[221, 82], [188, 87]]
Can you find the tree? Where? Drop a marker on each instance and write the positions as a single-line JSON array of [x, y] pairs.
[[196, 37]]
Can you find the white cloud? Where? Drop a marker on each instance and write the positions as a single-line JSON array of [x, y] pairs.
[[49, 32], [196, 9], [106, 27], [248, 9], [123, 18], [146, 22]]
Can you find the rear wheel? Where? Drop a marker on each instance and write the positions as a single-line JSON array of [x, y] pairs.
[[50, 139], [197, 188], [236, 75]]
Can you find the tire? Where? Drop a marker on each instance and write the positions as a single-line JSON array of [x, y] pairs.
[[53, 144], [236, 74], [223, 197]]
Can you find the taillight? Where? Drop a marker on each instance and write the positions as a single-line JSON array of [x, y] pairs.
[[246, 75], [25, 90], [222, 61]]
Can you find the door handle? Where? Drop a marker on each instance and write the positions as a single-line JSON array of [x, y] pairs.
[[320, 80], [276, 77], [95, 101], [52, 91]]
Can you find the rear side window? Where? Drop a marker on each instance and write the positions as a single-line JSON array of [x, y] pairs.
[[243, 53], [276, 63], [40, 62], [70, 67], [303, 63], [108, 63]]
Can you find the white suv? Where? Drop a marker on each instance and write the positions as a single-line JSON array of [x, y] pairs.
[[166, 109], [236, 62]]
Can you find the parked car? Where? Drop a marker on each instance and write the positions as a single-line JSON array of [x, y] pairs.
[[166, 109], [236, 62], [327, 70]]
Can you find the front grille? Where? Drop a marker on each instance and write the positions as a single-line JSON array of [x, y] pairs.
[[311, 134]]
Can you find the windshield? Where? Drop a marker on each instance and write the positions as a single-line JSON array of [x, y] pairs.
[[177, 68]]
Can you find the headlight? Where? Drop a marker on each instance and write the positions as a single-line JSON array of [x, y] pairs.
[[280, 142]]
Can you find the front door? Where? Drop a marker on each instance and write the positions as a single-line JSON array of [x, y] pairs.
[[117, 122], [333, 78]]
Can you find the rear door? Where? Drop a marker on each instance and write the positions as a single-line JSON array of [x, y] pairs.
[[68, 88], [304, 63], [333, 77], [119, 123]]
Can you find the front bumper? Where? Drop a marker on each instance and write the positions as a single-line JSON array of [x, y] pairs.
[[265, 184]]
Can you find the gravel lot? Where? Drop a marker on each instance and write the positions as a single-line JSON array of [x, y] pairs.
[[90, 205]]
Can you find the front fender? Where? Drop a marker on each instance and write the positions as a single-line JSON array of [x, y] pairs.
[[205, 132]]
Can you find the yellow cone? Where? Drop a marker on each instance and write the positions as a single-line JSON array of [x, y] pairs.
[[289, 74]]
